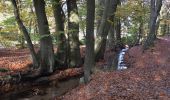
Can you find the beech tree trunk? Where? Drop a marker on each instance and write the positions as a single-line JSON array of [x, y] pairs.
[[168, 31], [46, 46], [99, 12], [111, 38], [140, 32], [118, 32], [164, 27], [157, 26], [60, 36], [108, 14], [89, 55], [155, 9], [73, 32], [26, 34]]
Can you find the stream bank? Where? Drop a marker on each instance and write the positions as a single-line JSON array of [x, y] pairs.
[[147, 77], [13, 86], [47, 90], [44, 92]]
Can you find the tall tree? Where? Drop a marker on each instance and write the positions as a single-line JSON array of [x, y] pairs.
[[108, 15], [26, 34], [165, 16], [99, 11], [73, 27], [89, 56], [46, 46], [117, 26], [140, 32], [60, 36], [111, 38], [155, 9]]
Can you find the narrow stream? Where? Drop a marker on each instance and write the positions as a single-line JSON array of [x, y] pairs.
[[45, 92], [121, 63], [48, 92]]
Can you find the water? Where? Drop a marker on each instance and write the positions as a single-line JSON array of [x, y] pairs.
[[49, 92], [45, 92], [121, 63]]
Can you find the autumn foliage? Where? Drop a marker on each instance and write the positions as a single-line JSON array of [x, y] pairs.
[[147, 78]]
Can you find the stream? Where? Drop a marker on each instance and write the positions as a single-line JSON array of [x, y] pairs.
[[50, 91], [44, 92], [121, 64]]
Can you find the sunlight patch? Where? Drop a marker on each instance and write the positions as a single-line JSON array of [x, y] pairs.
[[74, 17]]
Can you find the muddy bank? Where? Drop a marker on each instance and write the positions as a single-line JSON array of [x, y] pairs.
[[44, 92], [19, 82]]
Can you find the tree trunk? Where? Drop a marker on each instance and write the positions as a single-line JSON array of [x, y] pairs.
[[73, 26], [100, 9], [22, 42], [89, 55], [164, 26], [26, 34], [157, 26], [46, 46], [108, 14], [118, 32], [111, 44], [168, 31], [60, 36], [155, 9], [111, 38], [140, 32]]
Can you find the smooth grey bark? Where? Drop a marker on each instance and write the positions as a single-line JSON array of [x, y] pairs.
[[116, 43], [117, 25], [89, 55], [111, 44], [164, 28], [46, 46], [111, 38], [73, 32], [164, 15], [140, 33], [99, 12], [157, 26], [26, 35], [59, 33], [168, 31], [155, 9], [118, 32], [21, 37], [167, 27], [108, 14]]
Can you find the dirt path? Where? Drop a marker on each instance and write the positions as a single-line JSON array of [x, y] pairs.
[[147, 78]]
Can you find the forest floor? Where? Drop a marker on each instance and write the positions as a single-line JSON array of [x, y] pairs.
[[16, 63], [147, 77], [14, 60]]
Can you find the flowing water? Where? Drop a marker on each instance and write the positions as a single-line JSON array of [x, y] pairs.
[[121, 63], [49, 92]]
